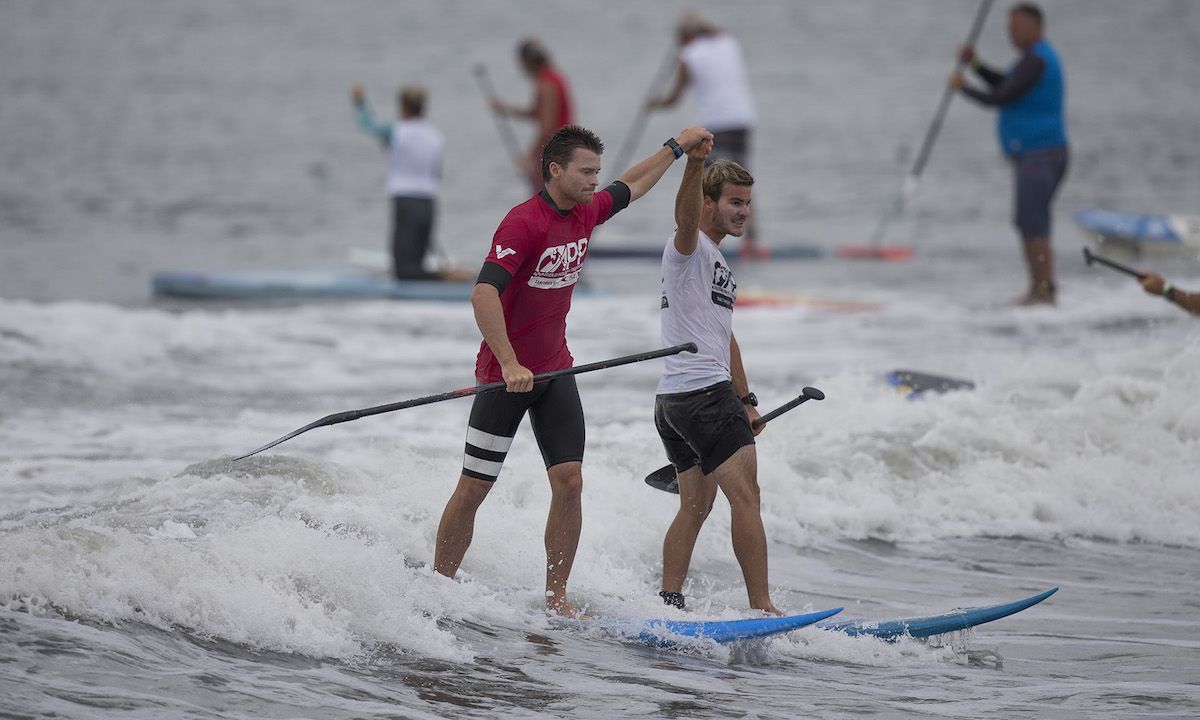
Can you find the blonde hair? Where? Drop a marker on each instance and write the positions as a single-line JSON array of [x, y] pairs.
[[721, 172]]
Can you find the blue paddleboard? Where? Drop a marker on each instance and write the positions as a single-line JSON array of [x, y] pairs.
[[303, 286], [920, 627], [666, 633], [1141, 230], [914, 384]]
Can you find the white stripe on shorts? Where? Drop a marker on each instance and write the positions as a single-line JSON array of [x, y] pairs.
[[485, 467], [488, 441]]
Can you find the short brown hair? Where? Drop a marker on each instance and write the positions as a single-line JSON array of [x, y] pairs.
[[1029, 10], [723, 172], [563, 143], [412, 100]]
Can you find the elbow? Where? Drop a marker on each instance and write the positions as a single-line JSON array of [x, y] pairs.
[[482, 293]]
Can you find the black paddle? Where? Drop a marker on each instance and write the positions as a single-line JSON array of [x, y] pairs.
[[639, 120], [664, 478], [506, 132], [349, 415], [909, 188], [1092, 257]]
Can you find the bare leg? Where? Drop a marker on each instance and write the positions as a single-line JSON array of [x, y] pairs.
[[563, 525], [738, 479], [1039, 259], [696, 495], [457, 526]]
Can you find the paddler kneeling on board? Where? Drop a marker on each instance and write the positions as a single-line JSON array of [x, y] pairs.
[[704, 410]]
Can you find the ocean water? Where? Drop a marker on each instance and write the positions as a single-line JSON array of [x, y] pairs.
[[144, 575]]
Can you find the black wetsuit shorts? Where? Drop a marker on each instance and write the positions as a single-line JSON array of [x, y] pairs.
[[555, 413]]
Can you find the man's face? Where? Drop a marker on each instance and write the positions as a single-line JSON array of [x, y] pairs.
[[732, 210], [579, 179], [1023, 31]]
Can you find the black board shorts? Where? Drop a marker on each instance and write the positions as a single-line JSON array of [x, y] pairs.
[[555, 413], [705, 426]]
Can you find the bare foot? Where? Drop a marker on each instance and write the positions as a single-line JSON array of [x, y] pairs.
[[1034, 299], [563, 607], [769, 609]]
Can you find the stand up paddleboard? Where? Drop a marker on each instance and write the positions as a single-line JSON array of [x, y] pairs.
[[922, 627], [669, 633], [914, 384], [1138, 232]]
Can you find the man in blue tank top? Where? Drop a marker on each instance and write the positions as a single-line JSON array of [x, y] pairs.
[[1032, 129]]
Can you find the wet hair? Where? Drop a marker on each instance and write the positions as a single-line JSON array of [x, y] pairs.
[[412, 100], [1029, 10], [532, 54], [723, 172], [563, 144]]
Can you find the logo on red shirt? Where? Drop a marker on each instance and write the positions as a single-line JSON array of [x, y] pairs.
[[559, 266]]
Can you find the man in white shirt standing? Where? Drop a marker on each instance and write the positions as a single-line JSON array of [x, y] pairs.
[[415, 150], [712, 65], [704, 410]]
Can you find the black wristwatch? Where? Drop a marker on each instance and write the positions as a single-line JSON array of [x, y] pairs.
[[675, 148], [750, 399]]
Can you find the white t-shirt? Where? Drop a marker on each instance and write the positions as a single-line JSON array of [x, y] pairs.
[[416, 150], [718, 79], [698, 293]]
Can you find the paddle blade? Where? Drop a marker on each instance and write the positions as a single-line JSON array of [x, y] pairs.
[[664, 479]]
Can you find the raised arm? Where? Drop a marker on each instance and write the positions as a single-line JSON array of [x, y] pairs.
[[643, 176], [690, 199], [362, 112]]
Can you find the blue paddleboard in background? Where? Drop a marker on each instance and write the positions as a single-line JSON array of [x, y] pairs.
[[667, 633], [914, 384], [920, 627]]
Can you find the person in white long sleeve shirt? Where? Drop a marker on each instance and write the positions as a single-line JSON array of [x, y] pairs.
[[415, 148]]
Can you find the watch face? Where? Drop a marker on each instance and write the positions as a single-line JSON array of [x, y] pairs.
[[751, 399]]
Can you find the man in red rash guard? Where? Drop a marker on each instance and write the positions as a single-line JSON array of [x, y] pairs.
[[521, 301], [551, 108]]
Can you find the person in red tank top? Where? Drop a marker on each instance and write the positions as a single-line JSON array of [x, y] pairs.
[[521, 301], [550, 110]]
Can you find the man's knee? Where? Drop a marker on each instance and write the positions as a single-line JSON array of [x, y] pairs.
[[566, 480], [471, 492]]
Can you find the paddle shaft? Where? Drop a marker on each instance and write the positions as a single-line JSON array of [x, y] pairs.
[[914, 176], [639, 120], [790, 405], [1092, 257], [507, 136], [349, 415]]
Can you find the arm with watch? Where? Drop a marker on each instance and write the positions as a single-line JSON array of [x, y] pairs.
[[741, 387], [1154, 284], [643, 176]]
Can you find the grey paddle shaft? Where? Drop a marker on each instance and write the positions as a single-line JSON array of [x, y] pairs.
[[639, 120], [1091, 257], [506, 132], [349, 415], [914, 175]]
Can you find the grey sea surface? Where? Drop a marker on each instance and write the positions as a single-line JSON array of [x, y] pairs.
[[142, 574]]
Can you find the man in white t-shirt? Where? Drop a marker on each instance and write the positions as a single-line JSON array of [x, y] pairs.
[[711, 64], [704, 410], [415, 150]]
